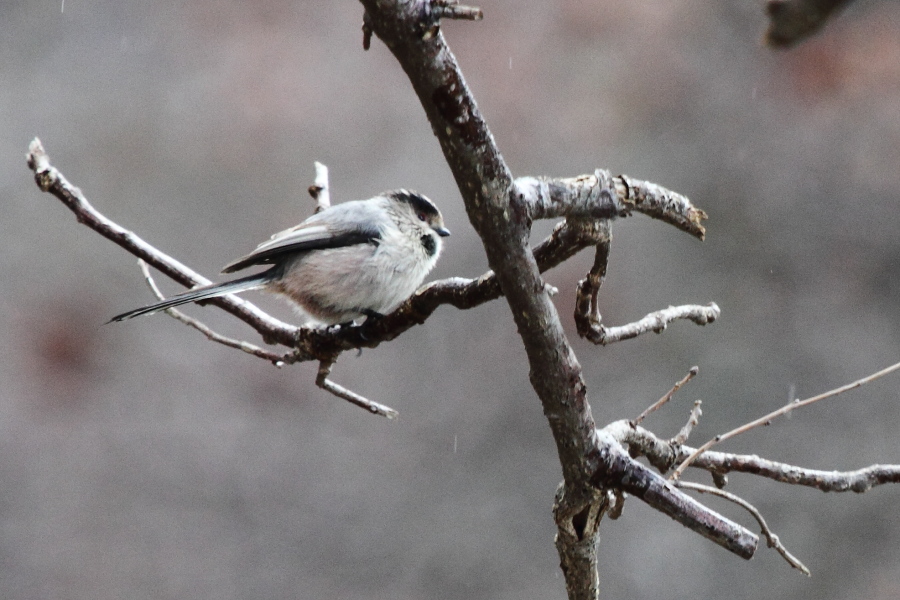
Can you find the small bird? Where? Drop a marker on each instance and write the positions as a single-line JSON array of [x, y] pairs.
[[355, 259]]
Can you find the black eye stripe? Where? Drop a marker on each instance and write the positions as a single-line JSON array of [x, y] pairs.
[[422, 206]]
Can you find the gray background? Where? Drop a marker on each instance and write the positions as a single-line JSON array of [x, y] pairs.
[[141, 461]]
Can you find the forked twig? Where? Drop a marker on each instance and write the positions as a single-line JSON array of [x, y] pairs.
[[771, 538], [668, 395], [276, 358]]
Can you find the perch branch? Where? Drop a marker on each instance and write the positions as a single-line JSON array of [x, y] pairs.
[[567, 239]]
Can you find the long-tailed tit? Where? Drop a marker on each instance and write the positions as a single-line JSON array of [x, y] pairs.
[[363, 257]]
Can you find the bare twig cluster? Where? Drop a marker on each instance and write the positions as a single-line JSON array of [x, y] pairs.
[[767, 419], [665, 454]]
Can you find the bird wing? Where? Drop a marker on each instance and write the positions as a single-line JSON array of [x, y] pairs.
[[309, 235]]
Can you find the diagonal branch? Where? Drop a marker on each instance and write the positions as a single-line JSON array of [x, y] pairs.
[[49, 179], [350, 396], [502, 220]]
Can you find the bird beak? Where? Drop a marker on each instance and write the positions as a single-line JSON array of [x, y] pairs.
[[442, 231]]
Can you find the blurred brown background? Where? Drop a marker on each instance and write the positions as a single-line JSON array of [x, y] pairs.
[[140, 461]]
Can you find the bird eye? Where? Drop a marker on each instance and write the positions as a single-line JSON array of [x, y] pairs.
[[421, 216]]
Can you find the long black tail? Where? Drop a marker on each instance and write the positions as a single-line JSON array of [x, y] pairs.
[[206, 292]]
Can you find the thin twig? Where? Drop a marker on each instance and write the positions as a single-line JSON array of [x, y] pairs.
[[668, 395], [767, 419], [772, 539], [276, 358], [352, 397], [692, 421], [50, 180]]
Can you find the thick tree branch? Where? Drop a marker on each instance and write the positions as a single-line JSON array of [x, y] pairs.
[[502, 220], [604, 196], [501, 214], [623, 473]]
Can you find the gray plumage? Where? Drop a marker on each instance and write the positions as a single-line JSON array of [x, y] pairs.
[[363, 257]]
